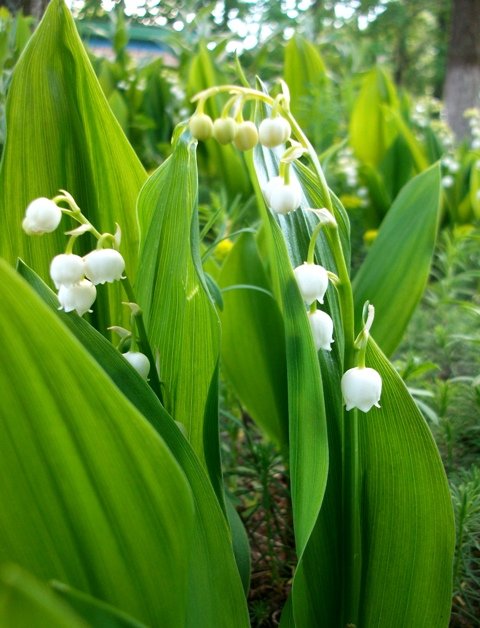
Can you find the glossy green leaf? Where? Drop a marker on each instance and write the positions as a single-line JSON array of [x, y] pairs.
[[26, 602], [214, 584], [61, 134], [395, 271], [81, 471], [252, 358], [181, 319], [371, 130]]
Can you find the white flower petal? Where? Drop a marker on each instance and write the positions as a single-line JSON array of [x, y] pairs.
[[312, 281], [361, 388], [104, 265], [78, 297], [41, 216], [322, 329], [67, 269]]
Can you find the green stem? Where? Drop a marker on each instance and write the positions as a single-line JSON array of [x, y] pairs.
[[143, 341], [312, 243], [352, 552], [351, 487]]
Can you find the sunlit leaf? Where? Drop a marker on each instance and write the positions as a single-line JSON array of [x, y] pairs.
[[61, 134], [81, 471], [214, 583], [180, 316], [371, 130], [395, 271]]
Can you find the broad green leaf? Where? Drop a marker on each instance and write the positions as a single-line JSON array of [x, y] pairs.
[[214, 583], [26, 602], [416, 150], [310, 90], [181, 320], [408, 526], [395, 271], [61, 134], [371, 131], [81, 471], [252, 357], [98, 614]]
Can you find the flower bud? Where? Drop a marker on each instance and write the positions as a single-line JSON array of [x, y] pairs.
[[282, 197], [224, 130], [201, 126], [312, 281], [78, 297], [246, 136], [274, 131], [41, 216], [67, 269], [361, 388], [322, 329], [139, 361], [104, 265]]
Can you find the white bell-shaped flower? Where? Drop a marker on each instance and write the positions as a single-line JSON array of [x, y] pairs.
[[224, 130], [274, 131], [246, 135], [139, 361], [322, 329], [361, 388], [79, 297], [41, 216], [102, 265], [201, 126], [282, 197], [312, 280], [67, 269]]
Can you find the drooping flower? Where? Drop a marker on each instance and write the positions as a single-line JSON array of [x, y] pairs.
[[201, 126], [41, 216], [246, 136], [67, 269], [282, 197], [139, 361], [79, 297], [312, 280], [322, 329], [224, 130], [274, 131], [102, 265], [361, 388]]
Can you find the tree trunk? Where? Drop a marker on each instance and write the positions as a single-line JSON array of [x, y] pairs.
[[35, 8], [462, 81]]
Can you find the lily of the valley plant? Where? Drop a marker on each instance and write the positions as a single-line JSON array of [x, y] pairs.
[[113, 504]]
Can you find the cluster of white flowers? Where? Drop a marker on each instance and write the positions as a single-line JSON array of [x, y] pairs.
[[312, 281], [473, 116], [244, 134], [74, 277], [450, 167]]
